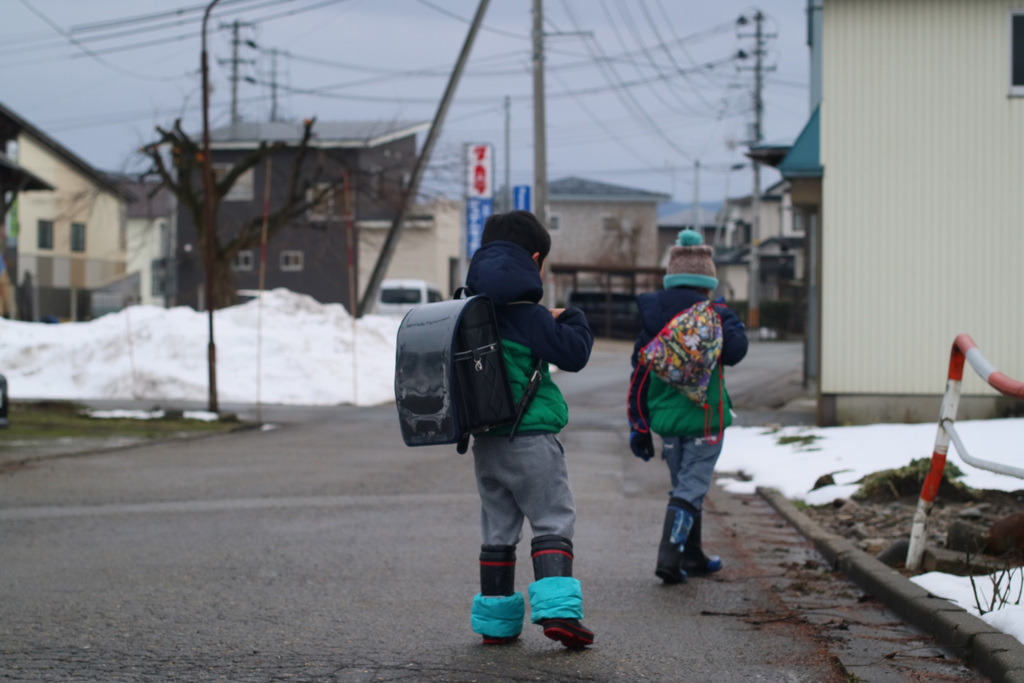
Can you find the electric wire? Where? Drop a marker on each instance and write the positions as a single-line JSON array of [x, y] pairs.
[[624, 96], [84, 49], [627, 19], [668, 53], [465, 20]]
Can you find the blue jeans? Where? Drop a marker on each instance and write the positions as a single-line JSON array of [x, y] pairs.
[[691, 463]]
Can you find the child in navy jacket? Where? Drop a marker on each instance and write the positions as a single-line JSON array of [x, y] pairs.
[[527, 478], [691, 434]]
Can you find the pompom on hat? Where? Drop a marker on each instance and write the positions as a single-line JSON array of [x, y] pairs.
[[691, 263]]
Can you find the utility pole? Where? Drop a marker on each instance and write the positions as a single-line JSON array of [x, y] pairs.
[[273, 84], [508, 160], [235, 60], [391, 239], [698, 220], [540, 152], [754, 285], [234, 73]]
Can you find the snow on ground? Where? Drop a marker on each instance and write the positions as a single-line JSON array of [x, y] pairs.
[[290, 349], [303, 352]]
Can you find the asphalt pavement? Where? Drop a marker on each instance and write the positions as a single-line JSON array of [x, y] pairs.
[[320, 548]]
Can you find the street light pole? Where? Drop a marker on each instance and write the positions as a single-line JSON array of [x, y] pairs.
[[209, 218]]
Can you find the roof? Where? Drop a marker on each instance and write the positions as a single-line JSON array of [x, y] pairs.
[[581, 190], [146, 198], [772, 246], [337, 134], [12, 125], [675, 220], [804, 159], [14, 178], [770, 153]]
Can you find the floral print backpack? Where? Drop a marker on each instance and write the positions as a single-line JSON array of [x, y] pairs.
[[686, 351]]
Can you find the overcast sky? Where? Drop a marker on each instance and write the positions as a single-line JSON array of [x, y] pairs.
[[637, 90]]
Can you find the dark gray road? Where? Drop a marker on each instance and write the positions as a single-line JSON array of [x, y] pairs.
[[325, 550]]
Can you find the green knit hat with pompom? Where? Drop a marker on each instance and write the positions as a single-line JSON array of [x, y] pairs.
[[691, 263]]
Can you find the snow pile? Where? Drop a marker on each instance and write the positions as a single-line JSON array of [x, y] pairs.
[[791, 459], [298, 350]]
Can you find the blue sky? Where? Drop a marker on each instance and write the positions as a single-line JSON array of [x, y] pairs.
[[637, 90]]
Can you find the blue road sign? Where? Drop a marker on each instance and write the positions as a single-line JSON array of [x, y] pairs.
[[477, 212], [521, 197]]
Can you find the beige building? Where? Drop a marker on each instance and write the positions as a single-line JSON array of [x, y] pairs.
[[70, 240], [150, 240], [598, 229], [921, 123], [428, 250]]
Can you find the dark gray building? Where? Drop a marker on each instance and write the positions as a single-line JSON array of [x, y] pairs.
[[313, 253]]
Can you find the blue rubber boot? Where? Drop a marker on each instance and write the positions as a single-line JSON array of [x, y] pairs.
[[694, 562], [498, 610], [556, 599]]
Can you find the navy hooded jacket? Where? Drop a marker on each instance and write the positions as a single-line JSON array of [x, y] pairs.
[[686, 419], [507, 274]]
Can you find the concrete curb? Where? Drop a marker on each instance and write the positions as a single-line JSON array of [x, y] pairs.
[[982, 647]]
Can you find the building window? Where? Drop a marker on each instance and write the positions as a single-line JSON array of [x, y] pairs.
[[610, 222], [45, 235], [554, 222], [242, 190], [243, 260], [78, 237], [291, 260], [1017, 53], [158, 277], [322, 206]]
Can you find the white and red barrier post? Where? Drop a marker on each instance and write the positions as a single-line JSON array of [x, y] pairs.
[[964, 349]]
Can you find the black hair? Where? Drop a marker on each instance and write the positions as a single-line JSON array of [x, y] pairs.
[[518, 227]]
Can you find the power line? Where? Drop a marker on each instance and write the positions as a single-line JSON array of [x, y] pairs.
[[668, 53], [85, 49], [453, 15], [643, 49], [624, 96], [79, 42], [144, 18]]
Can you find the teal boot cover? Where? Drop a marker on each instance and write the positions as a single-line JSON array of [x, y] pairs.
[[498, 616], [556, 597]]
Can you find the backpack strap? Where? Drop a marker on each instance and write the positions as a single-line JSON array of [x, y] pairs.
[[721, 393], [531, 386], [527, 397], [708, 415]]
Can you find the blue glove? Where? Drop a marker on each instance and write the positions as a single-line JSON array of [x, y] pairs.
[[641, 444]]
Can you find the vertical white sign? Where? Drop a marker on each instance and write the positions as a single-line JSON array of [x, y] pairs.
[[479, 193], [481, 172]]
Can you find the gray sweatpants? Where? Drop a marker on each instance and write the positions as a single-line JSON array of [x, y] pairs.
[[526, 478]]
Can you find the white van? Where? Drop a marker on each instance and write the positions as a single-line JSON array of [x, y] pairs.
[[396, 297]]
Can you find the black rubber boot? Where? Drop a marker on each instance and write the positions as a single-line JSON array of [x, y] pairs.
[[498, 577], [679, 519], [552, 556], [694, 562], [669, 555]]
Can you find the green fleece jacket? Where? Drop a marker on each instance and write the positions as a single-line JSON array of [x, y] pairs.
[[673, 414], [548, 412]]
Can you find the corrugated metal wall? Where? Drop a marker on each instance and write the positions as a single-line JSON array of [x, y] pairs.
[[923, 198]]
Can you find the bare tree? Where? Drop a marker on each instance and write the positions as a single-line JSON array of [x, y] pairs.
[[620, 244], [181, 173]]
